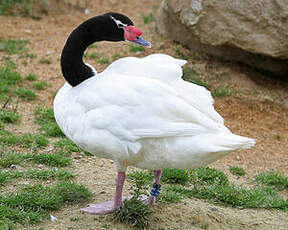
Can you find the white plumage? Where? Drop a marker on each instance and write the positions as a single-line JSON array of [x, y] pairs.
[[140, 112]]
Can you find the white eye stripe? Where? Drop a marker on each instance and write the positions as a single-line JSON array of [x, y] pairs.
[[118, 22]]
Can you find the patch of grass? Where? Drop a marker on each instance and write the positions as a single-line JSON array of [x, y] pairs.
[[103, 61], [40, 85], [10, 158], [48, 126], [116, 56], [167, 196], [32, 203], [66, 146], [54, 160], [208, 176], [136, 48], [30, 77], [9, 116], [179, 53], [222, 92], [189, 74], [238, 171], [134, 213], [92, 55], [175, 176], [32, 56], [26, 94], [275, 179], [94, 45], [24, 140], [148, 18], [11, 46], [72, 192], [45, 61]]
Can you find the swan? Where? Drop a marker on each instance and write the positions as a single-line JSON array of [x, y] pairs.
[[139, 111]]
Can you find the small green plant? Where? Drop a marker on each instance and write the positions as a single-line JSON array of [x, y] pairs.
[[10, 158], [92, 55], [275, 179], [28, 56], [237, 171], [40, 85], [116, 56], [103, 61], [54, 160], [136, 48], [11, 46], [134, 213], [175, 176], [45, 61], [222, 92], [30, 77], [26, 94], [148, 18], [169, 197], [208, 176], [278, 137]]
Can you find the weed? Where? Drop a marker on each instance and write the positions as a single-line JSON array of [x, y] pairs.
[[28, 56], [179, 53], [175, 176], [92, 55], [103, 61], [116, 56], [237, 171], [169, 197], [30, 77], [278, 137], [11, 46], [26, 94], [148, 18], [275, 179], [40, 85], [95, 45], [136, 48], [222, 92], [45, 61], [134, 213]]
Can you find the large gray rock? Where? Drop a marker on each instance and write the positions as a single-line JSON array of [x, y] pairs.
[[251, 31]]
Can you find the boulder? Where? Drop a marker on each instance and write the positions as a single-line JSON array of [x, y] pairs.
[[249, 31]]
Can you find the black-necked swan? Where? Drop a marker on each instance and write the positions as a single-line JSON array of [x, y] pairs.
[[139, 111]]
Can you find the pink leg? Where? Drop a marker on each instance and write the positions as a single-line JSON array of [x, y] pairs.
[[157, 174], [109, 206]]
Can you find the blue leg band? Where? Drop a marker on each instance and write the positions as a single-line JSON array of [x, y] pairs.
[[155, 191]]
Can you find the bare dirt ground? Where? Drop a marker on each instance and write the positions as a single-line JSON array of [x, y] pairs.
[[258, 108]]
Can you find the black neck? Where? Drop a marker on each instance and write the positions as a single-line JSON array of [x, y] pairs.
[[95, 29]]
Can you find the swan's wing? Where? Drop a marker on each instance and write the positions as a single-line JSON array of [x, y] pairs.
[[133, 109], [167, 69]]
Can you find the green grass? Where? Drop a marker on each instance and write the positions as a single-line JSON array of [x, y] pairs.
[[11, 46], [168, 196], [175, 176], [222, 92], [208, 176], [103, 61], [9, 116], [275, 179], [148, 18], [189, 74], [66, 146], [141, 181], [32, 56], [26, 94], [45, 61], [40, 85], [238, 171], [24, 140], [136, 48], [53, 160], [92, 55], [30, 77], [134, 213], [45, 119], [32, 204]]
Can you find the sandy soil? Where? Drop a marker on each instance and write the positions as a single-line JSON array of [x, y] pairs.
[[258, 108]]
